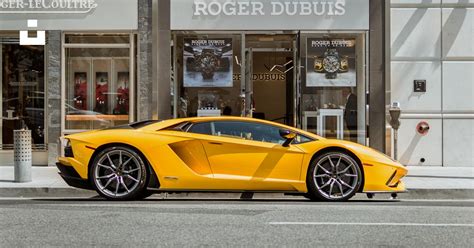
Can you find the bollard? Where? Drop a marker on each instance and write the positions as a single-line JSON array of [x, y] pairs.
[[22, 155]]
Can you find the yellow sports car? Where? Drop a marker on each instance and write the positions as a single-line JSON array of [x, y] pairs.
[[223, 154]]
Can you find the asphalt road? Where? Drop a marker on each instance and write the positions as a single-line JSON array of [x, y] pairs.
[[230, 223]]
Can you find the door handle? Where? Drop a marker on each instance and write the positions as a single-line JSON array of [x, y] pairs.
[[215, 143]]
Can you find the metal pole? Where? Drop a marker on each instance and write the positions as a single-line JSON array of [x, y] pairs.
[[395, 144]]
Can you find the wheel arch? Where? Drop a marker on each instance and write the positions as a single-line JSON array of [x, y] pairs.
[[344, 150], [153, 180]]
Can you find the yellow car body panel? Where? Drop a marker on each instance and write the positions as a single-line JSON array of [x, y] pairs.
[[184, 161]]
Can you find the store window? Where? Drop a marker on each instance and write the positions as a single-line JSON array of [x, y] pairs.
[[22, 91], [207, 75], [333, 85], [99, 81]]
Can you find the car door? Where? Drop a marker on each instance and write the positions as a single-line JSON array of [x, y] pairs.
[[248, 151]]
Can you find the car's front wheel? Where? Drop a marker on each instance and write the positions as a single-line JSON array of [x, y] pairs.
[[119, 173], [333, 176]]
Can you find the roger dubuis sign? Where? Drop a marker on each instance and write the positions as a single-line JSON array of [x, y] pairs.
[[274, 8], [269, 14], [47, 6]]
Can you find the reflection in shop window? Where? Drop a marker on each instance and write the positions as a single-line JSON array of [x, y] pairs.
[[97, 85]]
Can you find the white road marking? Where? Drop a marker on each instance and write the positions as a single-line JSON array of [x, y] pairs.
[[373, 224]]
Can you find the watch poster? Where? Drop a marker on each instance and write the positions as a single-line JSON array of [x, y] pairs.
[[207, 62], [80, 90], [101, 90], [330, 63]]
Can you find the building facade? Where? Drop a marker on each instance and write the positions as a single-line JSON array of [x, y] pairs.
[[319, 65], [432, 77]]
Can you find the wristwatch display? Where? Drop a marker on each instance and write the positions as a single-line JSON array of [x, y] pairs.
[[331, 63], [208, 61]]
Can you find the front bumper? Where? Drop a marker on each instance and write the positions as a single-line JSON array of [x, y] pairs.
[[72, 178], [381, 177]]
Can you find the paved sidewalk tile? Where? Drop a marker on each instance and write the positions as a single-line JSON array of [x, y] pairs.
[[42, 177]]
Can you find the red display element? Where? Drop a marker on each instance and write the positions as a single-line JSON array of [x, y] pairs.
[[101, 90], [122, 106], [80, 90]]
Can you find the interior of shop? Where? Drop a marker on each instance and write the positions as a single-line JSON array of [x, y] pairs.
[[22, 91]]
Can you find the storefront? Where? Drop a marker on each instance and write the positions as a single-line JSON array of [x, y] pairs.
[[302, 63], [305, 63], [82, 76]]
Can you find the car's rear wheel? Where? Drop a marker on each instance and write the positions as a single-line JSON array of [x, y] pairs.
[[119, 173], [333, 176]]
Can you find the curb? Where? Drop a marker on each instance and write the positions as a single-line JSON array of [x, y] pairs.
[[422, 194]]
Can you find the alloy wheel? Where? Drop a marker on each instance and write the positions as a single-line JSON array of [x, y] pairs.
[[336, 176], [118, 173]]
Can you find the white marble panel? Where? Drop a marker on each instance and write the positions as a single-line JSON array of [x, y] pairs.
[[415, 33], [458, 142], [403, 75], [458, 86], [460, 2], [413, 147], [458, 32], [415, 2]]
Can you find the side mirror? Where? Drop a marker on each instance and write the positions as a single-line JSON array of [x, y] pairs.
[[288, 135]]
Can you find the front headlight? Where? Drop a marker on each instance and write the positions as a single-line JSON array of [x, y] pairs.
[[65, 142], [62, 144]]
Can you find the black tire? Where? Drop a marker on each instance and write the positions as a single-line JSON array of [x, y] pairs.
[[119, 173], [145, 194], [328, 181]]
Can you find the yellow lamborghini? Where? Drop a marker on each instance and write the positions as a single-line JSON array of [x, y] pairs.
[[223, 154]]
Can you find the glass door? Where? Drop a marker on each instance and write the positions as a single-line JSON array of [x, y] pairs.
[[334, 85], [22, 91], [271, 85]]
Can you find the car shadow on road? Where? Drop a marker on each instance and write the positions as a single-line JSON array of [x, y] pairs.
[[207, 200]]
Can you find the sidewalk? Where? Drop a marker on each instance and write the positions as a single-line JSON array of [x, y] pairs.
[[423, 182]]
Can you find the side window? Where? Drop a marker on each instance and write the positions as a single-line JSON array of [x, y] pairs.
[[248, 131], [201, 128]]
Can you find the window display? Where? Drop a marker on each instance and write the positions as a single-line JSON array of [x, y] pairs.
[[208, 62], [105, 101], [101, 91], [331, 62], [123, 93], [80, 90], [332, 105], [205, 81]]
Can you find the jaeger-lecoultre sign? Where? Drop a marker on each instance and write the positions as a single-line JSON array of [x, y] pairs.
[[47, 6], [69, 14]]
